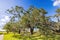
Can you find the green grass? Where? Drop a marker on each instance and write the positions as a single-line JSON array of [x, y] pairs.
[[35, 36], [2, 33]]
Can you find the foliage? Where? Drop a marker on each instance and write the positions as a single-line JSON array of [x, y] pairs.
[[31, 18]]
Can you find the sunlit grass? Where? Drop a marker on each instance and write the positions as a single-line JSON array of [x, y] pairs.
[[10, 36], [35, 36]]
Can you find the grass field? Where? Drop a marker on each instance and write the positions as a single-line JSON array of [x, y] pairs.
[[35, 36]]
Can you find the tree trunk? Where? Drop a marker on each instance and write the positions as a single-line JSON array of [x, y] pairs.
[[7, 31], [19, 31], [31, 30]]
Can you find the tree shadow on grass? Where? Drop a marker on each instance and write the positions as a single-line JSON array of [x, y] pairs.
[[24, 37], [17, 36], [30, 37]]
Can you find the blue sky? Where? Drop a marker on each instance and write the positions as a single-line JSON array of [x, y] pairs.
[[49, 5]]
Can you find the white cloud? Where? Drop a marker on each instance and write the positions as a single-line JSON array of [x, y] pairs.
[[7, 18], [3, 21], [56, 3], [54, 19]]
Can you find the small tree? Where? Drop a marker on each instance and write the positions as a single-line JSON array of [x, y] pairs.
[[8, 27]]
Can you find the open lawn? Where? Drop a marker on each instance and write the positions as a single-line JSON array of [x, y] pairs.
[[35, 36]]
